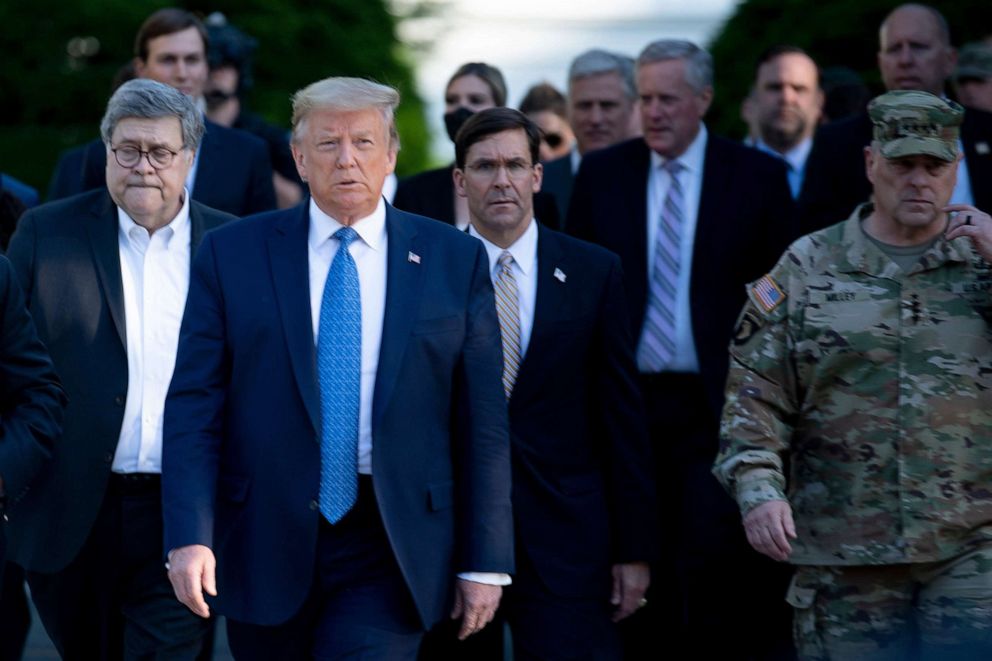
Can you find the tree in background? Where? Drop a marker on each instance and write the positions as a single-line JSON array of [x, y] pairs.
[[61, 56], [836, 33]]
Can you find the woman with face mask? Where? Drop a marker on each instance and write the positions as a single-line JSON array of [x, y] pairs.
[[474, 86]]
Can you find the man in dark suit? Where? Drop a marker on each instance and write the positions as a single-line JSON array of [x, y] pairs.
[[105, 275], [601, 102], [583, 496], [336, 434], [693, 217], [915, 53], [31, 399], [232, 171]]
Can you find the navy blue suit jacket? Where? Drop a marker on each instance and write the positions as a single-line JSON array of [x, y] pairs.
[[67, 258], [558, 181], [745, 222], [583, 495], [31, 398], [241, 458], [233, 173]]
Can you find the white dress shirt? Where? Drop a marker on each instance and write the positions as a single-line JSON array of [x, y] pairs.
[[659, 181], [155, 279], [524, 268], [369, 254], [962, 190]]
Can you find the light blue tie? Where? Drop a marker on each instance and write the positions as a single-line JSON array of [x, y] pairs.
[[339, 369], [657, 346]]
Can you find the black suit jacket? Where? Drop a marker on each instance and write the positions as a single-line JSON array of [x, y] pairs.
[[558, 181], [233, 173], [66, 256], [835, 181], [432, 194], [583, 496], [745, 221]]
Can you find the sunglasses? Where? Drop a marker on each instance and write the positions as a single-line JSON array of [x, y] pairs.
[[553, 140]]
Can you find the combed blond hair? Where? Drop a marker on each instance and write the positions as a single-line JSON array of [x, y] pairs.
[[346, 95]]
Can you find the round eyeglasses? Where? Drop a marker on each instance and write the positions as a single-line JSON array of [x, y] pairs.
[[129, 156]]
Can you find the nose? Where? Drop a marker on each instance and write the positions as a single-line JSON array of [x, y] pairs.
[[905, 54], [596, 114], [918, 177], [502, 179], [788, 95], [346, 154]]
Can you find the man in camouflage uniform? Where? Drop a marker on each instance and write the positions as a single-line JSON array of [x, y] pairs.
[[860, 399]]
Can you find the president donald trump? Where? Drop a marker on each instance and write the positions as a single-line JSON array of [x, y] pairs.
[[336, 463]]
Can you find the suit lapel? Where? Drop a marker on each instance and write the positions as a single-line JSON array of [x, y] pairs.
[[404, 283], [102, 229], [551, 296], [205, 180], [196, 226], [290, 275]]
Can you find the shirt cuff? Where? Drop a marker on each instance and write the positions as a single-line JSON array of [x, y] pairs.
[[486, 577]]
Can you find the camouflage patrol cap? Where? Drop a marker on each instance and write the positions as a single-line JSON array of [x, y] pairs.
[[910, 123], [974, 61]]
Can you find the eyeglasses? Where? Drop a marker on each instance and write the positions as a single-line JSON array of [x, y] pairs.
[[159, 157], [515, 169], [553, 140]]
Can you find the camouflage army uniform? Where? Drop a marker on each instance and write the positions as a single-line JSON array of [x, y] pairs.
[[875, 386]]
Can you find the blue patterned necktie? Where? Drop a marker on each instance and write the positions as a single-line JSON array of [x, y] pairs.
[[339, 368], [657, 346], [508, 312]]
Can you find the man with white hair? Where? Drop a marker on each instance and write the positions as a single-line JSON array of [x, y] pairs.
[[336, 430], [692, 216]]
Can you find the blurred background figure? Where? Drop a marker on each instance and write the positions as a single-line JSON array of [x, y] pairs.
[[229, 55], [473, 87], [546, 107], [783, 108], [601, 102], [844, 93], [973, 76]]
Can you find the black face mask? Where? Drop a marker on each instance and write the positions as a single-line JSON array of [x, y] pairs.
[[453, 120]]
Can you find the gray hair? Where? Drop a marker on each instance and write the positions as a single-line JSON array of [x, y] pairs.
[[346, 95], [698, 63], [595, 62], [148, 99]]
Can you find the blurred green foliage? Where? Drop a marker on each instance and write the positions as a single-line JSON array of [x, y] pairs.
[[835, 33], [60, 57]]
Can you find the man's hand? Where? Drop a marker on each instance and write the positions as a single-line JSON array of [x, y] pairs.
[[476, 604], [192, 572], [972, 223], [768, 527], [630, 581]]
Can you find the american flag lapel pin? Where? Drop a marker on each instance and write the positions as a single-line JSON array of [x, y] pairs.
[[413, 257], [559, 275]]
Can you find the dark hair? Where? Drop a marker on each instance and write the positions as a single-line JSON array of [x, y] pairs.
[[778, 50], [489, 74], [541, 97], [166, 21], [230, 47], [495, 120]]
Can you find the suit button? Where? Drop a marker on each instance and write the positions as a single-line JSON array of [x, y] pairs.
[[119, 400], [108, 457], [314, 505]]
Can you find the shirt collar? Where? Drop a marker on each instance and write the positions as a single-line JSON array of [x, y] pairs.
[[795, 157], [692, 158], [524, 249], [576, 158], [179, 224], [371, 229]]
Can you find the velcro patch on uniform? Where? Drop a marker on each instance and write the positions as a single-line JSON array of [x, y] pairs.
[[767, 292]]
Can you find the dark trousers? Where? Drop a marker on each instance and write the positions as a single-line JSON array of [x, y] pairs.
[[114, 599], [711, 594], [15, 617], [358, 608]]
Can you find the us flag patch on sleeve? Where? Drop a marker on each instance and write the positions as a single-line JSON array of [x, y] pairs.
[[767, 292]]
